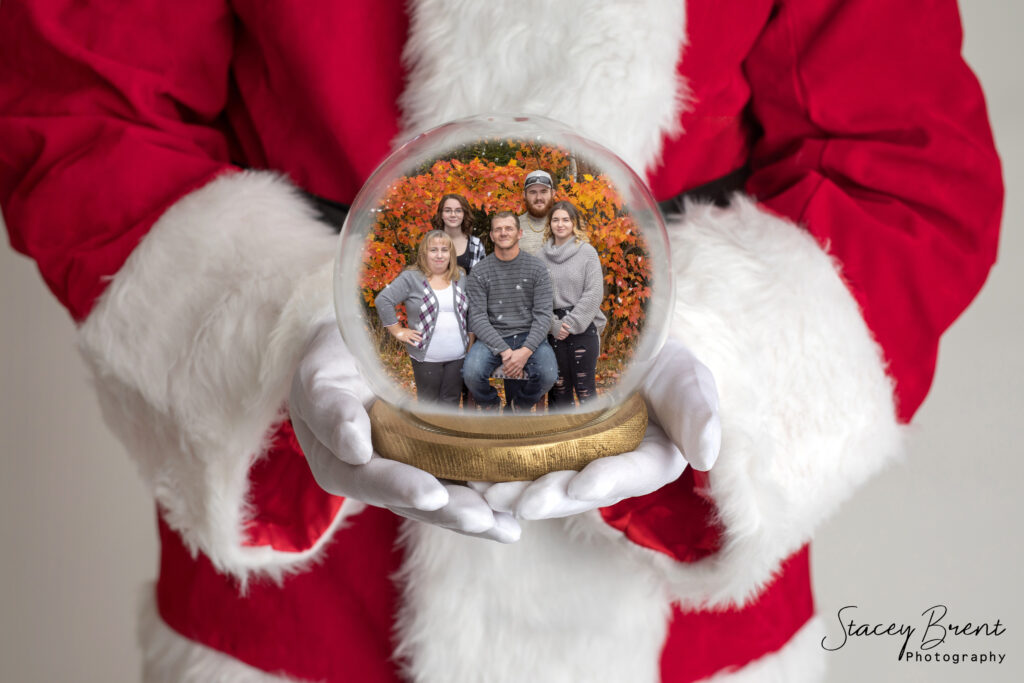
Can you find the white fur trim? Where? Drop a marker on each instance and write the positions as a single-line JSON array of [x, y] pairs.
[[807, 409], [240, 273], [558, 608], [169, 657], [607, 69], [802, 660]]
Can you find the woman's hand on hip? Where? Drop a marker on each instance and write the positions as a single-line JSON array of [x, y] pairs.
[[405, 334]]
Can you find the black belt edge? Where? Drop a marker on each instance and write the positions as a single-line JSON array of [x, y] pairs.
[[332, 213], [717, 192]]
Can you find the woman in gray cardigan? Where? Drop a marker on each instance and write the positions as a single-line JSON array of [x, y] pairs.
[[578, 285], [435, 305]]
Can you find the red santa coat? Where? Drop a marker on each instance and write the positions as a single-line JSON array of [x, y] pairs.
[[123, 129]]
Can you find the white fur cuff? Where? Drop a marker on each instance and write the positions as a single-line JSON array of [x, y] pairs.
[[807, 409], [193, 346]]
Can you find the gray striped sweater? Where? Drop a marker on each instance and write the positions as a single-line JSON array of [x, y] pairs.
[[509, 297]]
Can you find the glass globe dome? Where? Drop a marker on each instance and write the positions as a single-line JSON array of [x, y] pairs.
[[486, 158]]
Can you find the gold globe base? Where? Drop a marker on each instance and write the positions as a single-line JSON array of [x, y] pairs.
[[476, 446]]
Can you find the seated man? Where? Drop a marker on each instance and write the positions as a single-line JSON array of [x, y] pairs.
[[510, 312]]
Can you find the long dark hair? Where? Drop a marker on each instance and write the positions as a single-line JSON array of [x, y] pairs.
[[467, 216]]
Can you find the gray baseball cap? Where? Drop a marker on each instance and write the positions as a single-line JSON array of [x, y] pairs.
[[538, 176]]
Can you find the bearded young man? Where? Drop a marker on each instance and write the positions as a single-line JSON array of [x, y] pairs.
[[150, 162], [539, 195]]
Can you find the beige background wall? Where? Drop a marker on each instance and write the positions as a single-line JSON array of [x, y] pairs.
[[77, 531]]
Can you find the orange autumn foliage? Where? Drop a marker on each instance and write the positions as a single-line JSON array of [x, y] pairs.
[[490, 186]]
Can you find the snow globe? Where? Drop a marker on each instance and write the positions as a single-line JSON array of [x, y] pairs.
[[454, 200]]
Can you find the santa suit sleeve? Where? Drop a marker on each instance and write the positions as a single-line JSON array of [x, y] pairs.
[[196, 284], [819, 309]]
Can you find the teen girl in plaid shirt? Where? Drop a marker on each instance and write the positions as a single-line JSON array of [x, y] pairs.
[[454, 217]]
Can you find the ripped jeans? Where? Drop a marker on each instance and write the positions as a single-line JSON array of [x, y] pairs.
[[577, 364]]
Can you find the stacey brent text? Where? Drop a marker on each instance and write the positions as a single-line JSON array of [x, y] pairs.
[[933, 628]]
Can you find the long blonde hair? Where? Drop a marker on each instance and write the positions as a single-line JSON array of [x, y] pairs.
[[453, 272], [574, 216]]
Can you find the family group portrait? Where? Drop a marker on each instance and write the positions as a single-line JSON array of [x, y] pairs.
[[507, 276]]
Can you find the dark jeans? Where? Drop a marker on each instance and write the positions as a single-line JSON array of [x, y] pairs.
[[540, 372], [513, 387], [438, 382], [577, 364]]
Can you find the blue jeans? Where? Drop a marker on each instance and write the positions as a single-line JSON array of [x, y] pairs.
[[540, 373]]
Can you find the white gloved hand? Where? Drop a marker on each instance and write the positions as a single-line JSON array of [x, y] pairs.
[[328, 404], [684, 429]]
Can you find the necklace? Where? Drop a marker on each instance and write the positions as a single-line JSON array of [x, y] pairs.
[[529, 219]]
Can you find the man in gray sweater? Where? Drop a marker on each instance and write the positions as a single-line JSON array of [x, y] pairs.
[[510, 312]]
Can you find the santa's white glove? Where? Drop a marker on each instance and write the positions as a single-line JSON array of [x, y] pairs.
[[328, 405], [684, 429]]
